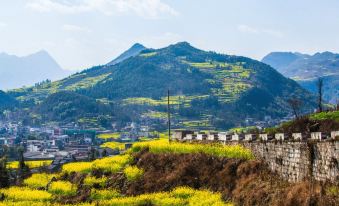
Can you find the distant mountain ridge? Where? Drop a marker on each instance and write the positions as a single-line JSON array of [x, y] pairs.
[[305, 69], [208, 90], [131, 52], [303, 66], [26, 71]]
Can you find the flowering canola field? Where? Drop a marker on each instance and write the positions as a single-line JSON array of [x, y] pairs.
[[49, 189]]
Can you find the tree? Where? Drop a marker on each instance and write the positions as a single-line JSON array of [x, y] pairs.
[[23, 170], [296, 106], [320, 85], [4, 175]]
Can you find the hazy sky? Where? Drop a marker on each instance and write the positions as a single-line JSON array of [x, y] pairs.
[[82, 33]]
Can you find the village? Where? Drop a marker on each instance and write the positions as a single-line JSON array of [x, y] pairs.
[[63, 144]]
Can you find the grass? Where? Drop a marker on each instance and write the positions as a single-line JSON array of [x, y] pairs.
[[30, 164], [325, 115], [163, 146]]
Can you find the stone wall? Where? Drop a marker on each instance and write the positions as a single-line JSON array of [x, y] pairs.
[[297, 161]]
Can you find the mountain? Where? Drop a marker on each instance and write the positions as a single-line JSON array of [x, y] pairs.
[[303, 66], [208, 90], [331, 87], [32, 69], [131, 52], [307, 68]]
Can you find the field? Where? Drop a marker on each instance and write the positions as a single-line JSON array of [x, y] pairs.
[[30, 164], [109, 136], [163, 146]]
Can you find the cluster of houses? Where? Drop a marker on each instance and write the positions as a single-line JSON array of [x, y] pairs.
[[186, 135]]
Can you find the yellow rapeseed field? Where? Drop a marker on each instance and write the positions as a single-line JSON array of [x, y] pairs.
[[30, 164], [38, 180], [133, 173], [219, 150], [25, 194], [62, 188]]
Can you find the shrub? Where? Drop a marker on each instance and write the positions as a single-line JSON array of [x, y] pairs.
[[133, 173]]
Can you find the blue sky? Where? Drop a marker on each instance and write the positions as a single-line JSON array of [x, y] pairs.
[[83, 33]]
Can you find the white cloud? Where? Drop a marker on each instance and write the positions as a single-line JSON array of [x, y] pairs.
[[143, 8], [248, 29], [75, 28]]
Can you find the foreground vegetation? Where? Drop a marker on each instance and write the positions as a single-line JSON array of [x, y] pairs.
[[96, 176]]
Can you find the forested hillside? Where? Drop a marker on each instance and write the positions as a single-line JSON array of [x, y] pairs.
[[207, 89]]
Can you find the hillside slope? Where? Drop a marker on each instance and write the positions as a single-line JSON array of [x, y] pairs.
[[207, 89]]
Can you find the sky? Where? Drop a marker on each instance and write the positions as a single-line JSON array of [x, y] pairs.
[[83, 33]]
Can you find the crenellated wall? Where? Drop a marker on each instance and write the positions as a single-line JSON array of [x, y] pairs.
[[294, 158], [297, 161]]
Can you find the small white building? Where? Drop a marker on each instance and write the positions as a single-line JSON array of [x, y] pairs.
[[250, 137], [334, 134], [317, 136], [280, 136]]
